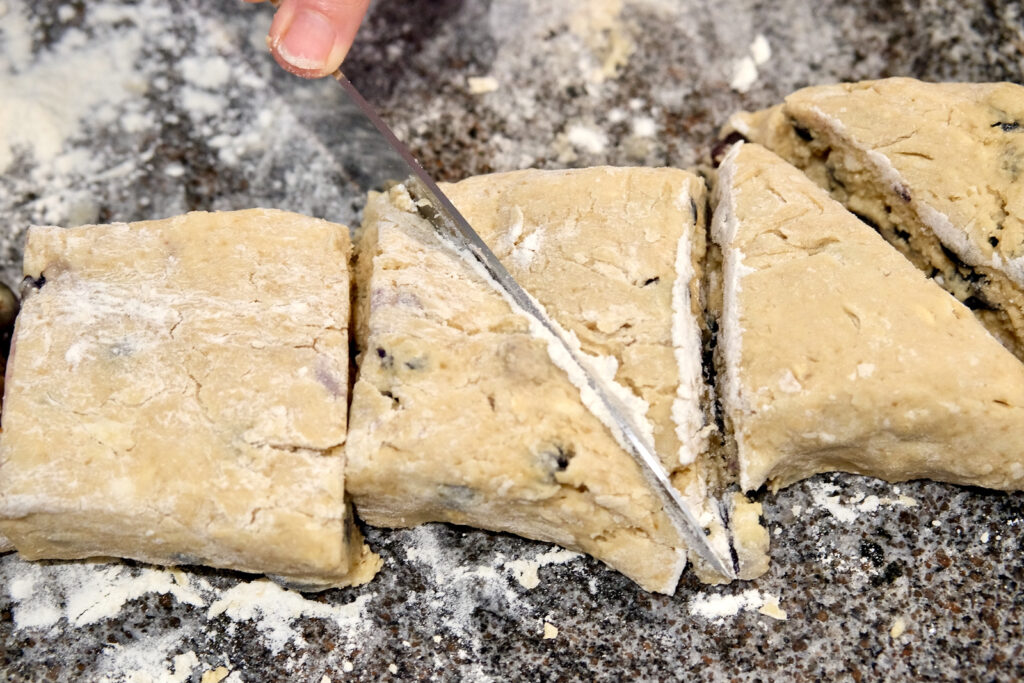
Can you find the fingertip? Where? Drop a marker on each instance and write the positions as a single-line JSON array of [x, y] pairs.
[[296, 66], [309, 42]]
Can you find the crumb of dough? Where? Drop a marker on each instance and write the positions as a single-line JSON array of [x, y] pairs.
[[215, 675], [481, 85], [771, 608]]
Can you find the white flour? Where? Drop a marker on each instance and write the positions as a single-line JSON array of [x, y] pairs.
[[825, 495], [526, 571], [275, 609], [84, 593], [46, 97], [456, 590], [719, 606], [147, 660], [61, 597]]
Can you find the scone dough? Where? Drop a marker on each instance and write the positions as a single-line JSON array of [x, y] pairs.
[[837, 354], [177, 395], [460, 414], [936, 167]]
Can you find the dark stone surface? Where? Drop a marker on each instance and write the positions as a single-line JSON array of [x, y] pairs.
[[447, 605]]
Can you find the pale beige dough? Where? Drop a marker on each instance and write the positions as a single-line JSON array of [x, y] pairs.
[[177, 394], [459, 413], [838, 354], [937, 167]]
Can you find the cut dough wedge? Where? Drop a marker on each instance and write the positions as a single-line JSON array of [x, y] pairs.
[[461, 411], [177, 394], [938, 168], [837, 354]]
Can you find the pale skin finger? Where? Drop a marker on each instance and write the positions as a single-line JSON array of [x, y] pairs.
[[310, 38]]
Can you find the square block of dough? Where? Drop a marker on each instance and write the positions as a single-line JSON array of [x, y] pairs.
[[838, 354], [177, 393], [937, 168], [461, 414]]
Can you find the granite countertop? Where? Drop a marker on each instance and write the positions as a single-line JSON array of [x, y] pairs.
[[126, 111]]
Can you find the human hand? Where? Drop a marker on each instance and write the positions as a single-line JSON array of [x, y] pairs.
[[310, 38]]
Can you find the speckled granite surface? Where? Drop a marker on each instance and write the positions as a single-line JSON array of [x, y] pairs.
[[113, 111]]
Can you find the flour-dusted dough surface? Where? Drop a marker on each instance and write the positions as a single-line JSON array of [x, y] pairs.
[[938, 167], [177, 394], [838, 354], [459, 413], [616, 257]]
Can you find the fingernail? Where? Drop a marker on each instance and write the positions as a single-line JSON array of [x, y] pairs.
[[308, 42]]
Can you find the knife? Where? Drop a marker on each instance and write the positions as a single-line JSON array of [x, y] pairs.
[[442, 214]]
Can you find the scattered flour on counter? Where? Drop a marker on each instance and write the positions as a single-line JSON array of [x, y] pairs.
[[719, 606], [84, 593], [525, 571], [210, 73], [744, 74], [274, 609], [744, 71], [644, 127], [45, 97], [825, 495], [201, 104], [183, 666], [65, 596], [590, 140], [101, 595], [760, 50], [457, 589], [147, 659], [831, 503]]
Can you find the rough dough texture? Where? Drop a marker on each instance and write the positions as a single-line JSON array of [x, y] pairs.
[[599, 248], [177, 395], [750, 538], [838, 354], [938, 168], [459, 413]]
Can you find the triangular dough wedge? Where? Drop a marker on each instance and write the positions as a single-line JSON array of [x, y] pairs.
[[938, 168], [461, 414], [837, 354]]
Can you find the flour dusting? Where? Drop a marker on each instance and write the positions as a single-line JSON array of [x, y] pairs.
[[85, 593], [275, 609], [825, 495], [719, 606], [46, 97], [62, 597], [457, 590], [526, 571]]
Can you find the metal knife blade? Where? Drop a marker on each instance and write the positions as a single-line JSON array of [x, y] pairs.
[[437, 208]]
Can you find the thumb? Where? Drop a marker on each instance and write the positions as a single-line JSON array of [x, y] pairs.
[[310, 38]]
